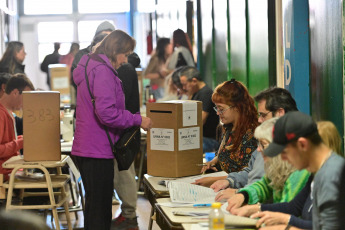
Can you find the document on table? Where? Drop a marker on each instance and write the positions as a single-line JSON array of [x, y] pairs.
[[191, 179], [182, 192]]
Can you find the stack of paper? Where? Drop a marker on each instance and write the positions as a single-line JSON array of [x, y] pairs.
[[181, 192]]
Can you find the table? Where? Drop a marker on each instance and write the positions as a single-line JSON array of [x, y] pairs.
[[50, 182], [168, 221], [153, 191]]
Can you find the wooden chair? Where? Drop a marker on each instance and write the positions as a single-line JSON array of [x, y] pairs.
[[51, 182]]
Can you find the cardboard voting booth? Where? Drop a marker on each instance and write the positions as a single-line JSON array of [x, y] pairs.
[[41, 126], [60, 81], [174, 144]]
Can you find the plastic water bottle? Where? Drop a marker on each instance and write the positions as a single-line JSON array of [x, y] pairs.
[[216, 217], [68, 123]]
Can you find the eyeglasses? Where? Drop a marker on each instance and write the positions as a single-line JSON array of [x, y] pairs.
[[263, 115], [221, 111]]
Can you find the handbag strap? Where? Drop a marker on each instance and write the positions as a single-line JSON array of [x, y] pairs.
[[93, 98]]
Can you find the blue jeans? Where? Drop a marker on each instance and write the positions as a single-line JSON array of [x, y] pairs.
[[209, 145]]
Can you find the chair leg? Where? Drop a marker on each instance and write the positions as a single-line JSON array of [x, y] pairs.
[[68, 218], [56, 218]]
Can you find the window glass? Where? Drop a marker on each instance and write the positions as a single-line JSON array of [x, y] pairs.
[[87, 29], [55, 31], [146, 6], [103, 6], [50, 32], [47, 7]]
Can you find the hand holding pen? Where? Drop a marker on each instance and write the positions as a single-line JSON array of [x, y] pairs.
[[209, 165]]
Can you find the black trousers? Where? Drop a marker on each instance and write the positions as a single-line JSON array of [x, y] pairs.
[[98, 177]]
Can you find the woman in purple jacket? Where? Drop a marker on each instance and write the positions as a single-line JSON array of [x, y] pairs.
[[91, 146]]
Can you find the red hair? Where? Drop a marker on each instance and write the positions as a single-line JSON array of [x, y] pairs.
[[234, 93]]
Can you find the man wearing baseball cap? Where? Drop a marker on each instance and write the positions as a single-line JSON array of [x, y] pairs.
[[296, 138]]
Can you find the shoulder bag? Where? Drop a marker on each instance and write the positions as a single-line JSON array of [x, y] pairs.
[[127, 147]]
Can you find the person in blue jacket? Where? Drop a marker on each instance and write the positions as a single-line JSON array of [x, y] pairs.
[[91, 147]]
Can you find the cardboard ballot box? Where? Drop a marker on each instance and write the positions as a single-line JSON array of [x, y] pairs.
[[60, 81], [41, 126], [174, 144]]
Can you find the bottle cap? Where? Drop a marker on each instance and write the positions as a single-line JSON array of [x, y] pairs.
[[216, 205]]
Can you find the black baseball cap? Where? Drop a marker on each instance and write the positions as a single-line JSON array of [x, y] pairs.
[[289, 128]]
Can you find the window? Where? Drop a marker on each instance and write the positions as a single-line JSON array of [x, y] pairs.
[[103, 6], [146, 6], [50, 32], [47, 7]]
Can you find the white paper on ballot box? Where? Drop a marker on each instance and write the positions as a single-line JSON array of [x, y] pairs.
[[162, 139], [190, 115], [189, 138]]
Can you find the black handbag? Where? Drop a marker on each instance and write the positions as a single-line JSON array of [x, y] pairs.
[[127, 147]]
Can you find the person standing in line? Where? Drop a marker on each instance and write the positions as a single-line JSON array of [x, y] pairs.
[[124, 181], [68, 58], [13, 58], [156, 70], [52, 58], [91, 147], [183, 53]]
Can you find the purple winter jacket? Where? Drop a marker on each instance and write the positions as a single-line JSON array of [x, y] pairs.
[[90, 138]]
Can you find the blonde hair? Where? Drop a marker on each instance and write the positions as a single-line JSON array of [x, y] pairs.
[[276, 170], [330, 136]]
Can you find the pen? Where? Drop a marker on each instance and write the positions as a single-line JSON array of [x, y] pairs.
[[202, 205], [200, 164]]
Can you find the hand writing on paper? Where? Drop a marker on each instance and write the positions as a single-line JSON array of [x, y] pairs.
[[225, 194], [246, 210], [235, 202], [206, 181], [219, 185], [271, 218]]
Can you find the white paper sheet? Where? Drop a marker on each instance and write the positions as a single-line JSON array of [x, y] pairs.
[[190, 113], [162, 139], [181, 192], [189, 138]]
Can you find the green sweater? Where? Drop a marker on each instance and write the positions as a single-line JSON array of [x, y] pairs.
[[261, 191]]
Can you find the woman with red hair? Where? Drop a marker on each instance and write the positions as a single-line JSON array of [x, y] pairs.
[[237, 112]]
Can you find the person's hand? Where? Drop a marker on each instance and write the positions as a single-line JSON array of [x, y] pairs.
[[205, 181], [276, 227], [146, 123], [271, 218], [234, 202], [209, 165], [219, 185], [19, 142], [246, 210], [225, 194]]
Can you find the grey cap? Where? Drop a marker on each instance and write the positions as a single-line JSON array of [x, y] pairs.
[[105, 26]]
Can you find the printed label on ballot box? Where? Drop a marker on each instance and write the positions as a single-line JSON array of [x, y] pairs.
[[189, 138], [162, 139]]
